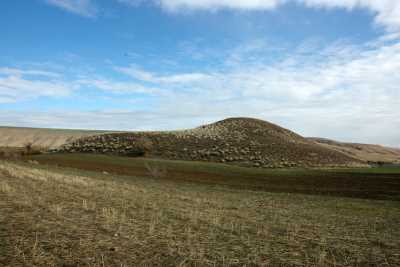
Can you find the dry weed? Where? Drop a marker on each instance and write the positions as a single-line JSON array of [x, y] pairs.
[[156, 171]]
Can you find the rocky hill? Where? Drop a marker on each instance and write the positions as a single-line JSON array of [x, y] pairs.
[[241, 141]]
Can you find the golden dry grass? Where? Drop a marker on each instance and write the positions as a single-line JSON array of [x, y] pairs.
[[55, 217], [364, 152], [47, 138]]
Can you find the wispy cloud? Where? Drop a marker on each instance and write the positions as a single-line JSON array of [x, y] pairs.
[[386, 12], [18, 85], [298, 76], [142, 75], [81, 7], [19, 72], [119, 87], [174, 5]]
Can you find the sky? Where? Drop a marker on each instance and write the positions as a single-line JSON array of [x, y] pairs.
[[326, 68]]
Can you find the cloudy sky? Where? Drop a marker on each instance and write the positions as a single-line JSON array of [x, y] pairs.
[[328, 68]]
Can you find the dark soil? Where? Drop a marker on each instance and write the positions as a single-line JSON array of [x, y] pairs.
[[360, 183]]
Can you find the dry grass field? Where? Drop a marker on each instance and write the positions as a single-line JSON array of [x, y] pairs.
[[45, 138], [364, 152], [63, 217]]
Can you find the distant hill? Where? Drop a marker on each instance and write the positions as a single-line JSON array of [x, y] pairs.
[[241, 141], [363, 152], [46, 138]]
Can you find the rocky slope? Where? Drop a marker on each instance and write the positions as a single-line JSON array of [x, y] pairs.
[[241, 141]]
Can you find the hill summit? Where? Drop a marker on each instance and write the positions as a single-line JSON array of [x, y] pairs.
[[240, 141]]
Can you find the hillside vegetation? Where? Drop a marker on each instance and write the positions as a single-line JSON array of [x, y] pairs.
[[241, 141]]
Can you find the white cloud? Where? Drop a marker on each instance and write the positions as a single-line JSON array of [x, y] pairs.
[[335, 70], [387, 12], [19, 72], [213, 4], [81, 7], [142, 75], [20, 84], [17, 85], [119, 87]]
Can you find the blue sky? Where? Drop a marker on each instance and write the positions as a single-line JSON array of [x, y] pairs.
[[321, 68]]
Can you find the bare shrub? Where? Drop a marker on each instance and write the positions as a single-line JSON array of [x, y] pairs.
[[30, 149], [156, 171], [141, 147], [144, 145]]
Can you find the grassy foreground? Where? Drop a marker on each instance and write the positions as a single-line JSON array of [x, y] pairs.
[[61, 217]]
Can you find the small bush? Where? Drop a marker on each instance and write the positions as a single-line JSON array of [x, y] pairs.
[[135, 153], [28, 147], [30, 150], [144, 145]]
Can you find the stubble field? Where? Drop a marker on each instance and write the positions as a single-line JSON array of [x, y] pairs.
[[51, 216]]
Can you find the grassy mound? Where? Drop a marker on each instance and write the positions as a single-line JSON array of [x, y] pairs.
[[241, 141]]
